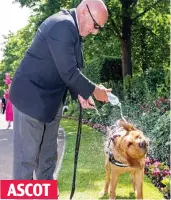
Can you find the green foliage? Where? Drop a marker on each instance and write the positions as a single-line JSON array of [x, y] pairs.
[[112, 70], [160, 137], [153, 118], [150, 37], [28, 3], [146, 87], [136, 88], [166, 181], [93, 68], [44, 10], [14, 48]]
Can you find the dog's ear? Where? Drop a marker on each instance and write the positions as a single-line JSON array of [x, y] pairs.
[[127, 126], [116, 139]]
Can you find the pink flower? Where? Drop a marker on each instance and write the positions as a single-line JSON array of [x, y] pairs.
[[147, 160], [156, 172], [156, 164]]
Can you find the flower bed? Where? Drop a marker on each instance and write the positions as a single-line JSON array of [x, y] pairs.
[[159, 173]]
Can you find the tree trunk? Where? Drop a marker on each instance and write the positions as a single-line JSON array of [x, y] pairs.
[[126, 42], [126, 51]]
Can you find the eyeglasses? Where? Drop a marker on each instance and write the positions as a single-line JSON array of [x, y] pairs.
[[96, 25]]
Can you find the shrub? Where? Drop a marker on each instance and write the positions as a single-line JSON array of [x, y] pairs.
[[136, 89], [160, 138], [155, 122]]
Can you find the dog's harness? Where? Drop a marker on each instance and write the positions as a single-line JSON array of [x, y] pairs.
[[111, 156]]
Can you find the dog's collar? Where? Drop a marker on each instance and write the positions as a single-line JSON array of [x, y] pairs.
[[115, 162]]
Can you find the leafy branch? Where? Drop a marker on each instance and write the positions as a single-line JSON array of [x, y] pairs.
[[146, 10], [117, 32]]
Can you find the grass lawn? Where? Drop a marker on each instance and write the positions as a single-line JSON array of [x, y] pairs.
[[90, 169]]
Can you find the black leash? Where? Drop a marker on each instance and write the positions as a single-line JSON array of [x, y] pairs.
[[77, 145]]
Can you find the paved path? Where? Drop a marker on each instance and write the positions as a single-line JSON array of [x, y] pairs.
[[6, 149]]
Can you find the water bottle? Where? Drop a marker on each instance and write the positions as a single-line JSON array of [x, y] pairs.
[[113, 99]]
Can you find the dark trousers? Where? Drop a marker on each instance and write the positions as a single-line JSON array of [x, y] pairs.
[[34, 147], [3, 108]]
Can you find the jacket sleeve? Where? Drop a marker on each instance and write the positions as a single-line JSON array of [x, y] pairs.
[[73, 94], [61, 40]]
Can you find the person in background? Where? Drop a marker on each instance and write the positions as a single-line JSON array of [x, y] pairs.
[[3, 104], [52, 66], [9, 109]]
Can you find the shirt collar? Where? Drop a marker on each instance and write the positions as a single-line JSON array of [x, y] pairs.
[[76, 19]]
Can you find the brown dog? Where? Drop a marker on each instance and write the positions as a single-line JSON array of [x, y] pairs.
[[125, 153]]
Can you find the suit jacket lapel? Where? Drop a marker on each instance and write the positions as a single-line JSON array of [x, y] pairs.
[[78, 47]]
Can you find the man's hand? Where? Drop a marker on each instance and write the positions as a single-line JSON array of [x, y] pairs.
[[86, 104], [100, 93]]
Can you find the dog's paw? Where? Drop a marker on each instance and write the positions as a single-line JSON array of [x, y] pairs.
[[104, 195]]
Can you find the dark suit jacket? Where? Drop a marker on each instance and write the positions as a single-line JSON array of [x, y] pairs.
[[50, 66]]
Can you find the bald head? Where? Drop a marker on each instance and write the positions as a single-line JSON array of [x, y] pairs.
[[96, 6], [92, 15]]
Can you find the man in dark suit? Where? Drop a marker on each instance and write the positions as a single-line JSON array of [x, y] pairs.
[[50, 67]]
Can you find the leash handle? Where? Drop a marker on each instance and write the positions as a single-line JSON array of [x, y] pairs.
[[77, 145]]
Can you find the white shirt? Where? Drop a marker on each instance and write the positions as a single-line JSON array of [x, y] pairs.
[[76, 18]]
